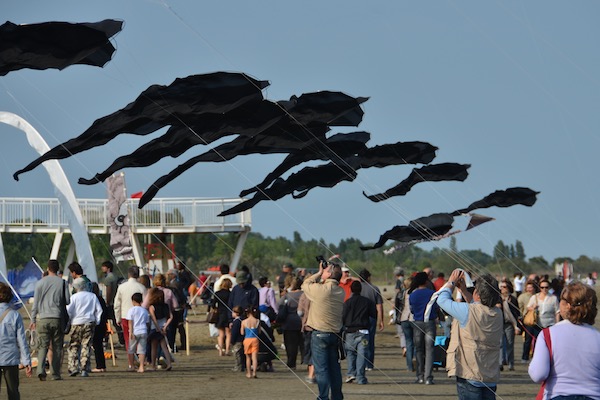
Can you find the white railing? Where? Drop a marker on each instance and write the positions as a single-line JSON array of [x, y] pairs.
[[175, 215]]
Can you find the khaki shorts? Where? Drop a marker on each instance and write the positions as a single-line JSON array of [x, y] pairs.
[[138, 344]]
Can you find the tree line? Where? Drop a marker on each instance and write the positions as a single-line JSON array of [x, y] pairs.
[[265, 255]]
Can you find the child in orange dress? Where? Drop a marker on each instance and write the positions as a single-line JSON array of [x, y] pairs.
[[250, 330]]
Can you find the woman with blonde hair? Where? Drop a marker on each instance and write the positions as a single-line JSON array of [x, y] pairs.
[[567, 355], [220, 302]]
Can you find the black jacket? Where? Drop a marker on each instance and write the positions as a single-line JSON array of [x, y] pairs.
[[356, 313]]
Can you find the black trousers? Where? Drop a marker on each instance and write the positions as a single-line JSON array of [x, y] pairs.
[[177, 325], [294, 343], [97, 340]]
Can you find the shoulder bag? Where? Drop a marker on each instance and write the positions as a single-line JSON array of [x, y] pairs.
[[282, 312], [65, 321], [548, 340], [531, 316]]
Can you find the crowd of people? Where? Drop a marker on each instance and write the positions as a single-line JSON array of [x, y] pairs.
[[324, 318]]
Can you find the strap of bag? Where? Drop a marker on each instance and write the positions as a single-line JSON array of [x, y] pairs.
[[4, 314], [548, 340]]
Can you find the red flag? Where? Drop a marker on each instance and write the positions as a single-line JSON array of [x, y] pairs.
[[137, 195]]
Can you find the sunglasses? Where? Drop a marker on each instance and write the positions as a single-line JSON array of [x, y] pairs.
[[502, 286], [544, 287]]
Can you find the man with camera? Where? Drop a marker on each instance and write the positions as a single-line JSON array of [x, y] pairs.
[[325, 318], [477, 331]]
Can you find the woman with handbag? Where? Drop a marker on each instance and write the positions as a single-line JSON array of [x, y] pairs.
[[219, 305], [292, 324], [523, 301], [567, 355], [511, 314], [546, 306]]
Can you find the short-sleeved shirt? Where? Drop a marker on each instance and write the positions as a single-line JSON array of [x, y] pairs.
[[111, 281], [140, 317]]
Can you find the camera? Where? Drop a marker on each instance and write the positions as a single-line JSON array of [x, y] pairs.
[[321, 259]]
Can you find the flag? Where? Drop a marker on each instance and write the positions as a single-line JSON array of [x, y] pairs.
[[137, 195], [118, 218], [23, 280]]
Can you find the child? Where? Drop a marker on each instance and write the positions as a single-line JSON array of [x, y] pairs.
[[13, 345], [249, 329], [138, 331], [237, 338]]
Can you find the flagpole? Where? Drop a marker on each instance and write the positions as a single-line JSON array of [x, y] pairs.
[[37, 265], [16, 294]]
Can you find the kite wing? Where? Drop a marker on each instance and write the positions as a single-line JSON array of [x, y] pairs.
[[246, 120], [56, 44], [159, 106], [428, 173], [425, 228], [335, 148], [398, 154], [503, 198], [331, 108], [303, 181]]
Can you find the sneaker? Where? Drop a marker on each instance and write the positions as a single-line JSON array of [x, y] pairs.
[[369, 369], [365, 382], [350, 379], [429, 382], [310, 380], [42, 377], [419, 380], [85, 374], [73, 373]]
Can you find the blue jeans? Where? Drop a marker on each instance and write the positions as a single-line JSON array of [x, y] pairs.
[[509, 342], [407, 328], [466, 391], [371, 347], [356, 351], [424, 337], [324, 347]]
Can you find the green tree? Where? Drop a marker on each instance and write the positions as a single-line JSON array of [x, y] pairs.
[[519, 250], [453, 244], [500, 251]]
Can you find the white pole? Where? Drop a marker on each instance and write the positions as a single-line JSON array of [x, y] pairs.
[[63, 191]]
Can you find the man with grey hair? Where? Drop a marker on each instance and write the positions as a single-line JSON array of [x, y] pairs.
[[123, 300], [325, 319], [50, 297], [477, 331], [85, 312]]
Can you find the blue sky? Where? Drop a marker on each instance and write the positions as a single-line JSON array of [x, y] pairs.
[[510, 87]]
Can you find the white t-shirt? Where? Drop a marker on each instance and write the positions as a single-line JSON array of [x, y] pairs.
[[140, 317], [519, 283]]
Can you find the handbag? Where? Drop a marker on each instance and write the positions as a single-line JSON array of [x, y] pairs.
[[342, 345], [282, 311], [65, 321], [531, 317], [213, 316]]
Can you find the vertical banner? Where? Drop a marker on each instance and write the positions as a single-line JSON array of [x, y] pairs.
[[118, 218]]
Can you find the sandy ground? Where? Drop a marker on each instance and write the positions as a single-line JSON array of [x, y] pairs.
[[205, 375]]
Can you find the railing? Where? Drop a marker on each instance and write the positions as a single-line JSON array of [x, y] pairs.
[[175, 215]]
